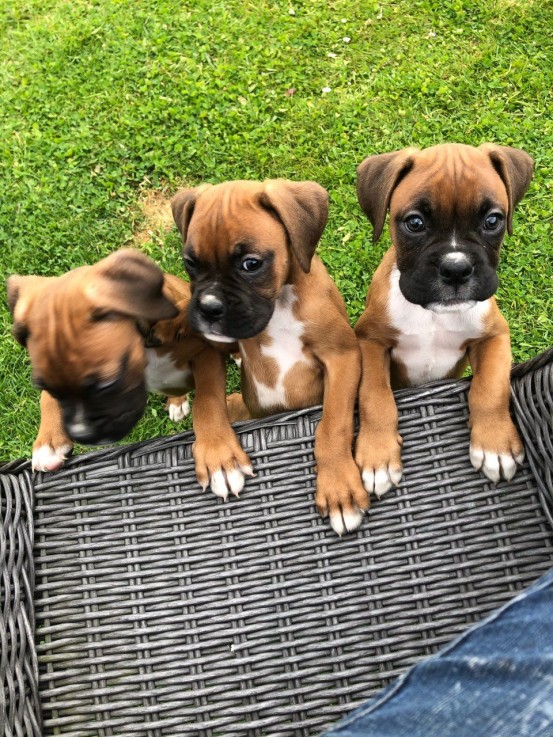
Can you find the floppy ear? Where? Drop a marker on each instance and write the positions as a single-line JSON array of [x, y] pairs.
[[17, 287], [129, 283], [14, 285], [182, 206], [377, 177], [516, 168], [302, 208]]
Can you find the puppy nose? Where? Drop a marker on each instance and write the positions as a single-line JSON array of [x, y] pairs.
[[211, 306], [455, 268]]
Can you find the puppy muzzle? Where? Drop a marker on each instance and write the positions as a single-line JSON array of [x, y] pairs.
[[100, 420], [228, 315], [449, 281]]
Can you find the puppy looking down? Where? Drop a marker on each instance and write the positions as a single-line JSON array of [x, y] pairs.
[[249, 248], [430, 307], [99, 338]]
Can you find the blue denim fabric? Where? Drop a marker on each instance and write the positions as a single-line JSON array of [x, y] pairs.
[[495, 680]]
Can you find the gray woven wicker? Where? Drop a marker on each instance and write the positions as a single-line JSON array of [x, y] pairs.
[[160, 610]]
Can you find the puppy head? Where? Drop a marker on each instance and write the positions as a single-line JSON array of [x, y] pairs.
[[83, 334], [241, 241], [450, 206]]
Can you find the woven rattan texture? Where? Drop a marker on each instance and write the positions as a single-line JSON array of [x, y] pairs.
[[533, 407], [163, 611], [19, 698]]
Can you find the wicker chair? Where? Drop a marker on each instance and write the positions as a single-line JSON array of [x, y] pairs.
[[133, 604]]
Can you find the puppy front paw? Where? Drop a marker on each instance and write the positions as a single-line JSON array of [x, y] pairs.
[[341, 496], [222, 465], [496, 449], [178, 407], [50, 457], [379, 459]]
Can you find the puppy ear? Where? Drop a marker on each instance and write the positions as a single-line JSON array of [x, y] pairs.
[[13, 286], [182, 206], [302, 208], [377, 177], [516, 168], [130, 283], [17, 287]]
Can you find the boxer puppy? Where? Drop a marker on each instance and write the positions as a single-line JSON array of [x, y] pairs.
[[430, 307], [100, 337], [249, 250]]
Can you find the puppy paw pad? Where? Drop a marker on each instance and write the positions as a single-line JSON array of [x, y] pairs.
[[233, 480], [47, 458], [178, 412], [381, 480], [495, 466]]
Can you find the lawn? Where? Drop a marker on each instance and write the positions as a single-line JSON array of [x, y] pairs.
[[108, 101]]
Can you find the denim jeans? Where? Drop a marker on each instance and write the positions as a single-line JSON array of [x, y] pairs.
[[495, 680]]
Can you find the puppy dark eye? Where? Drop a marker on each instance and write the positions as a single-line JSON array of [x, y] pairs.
[[493, 221], [190, 263], [21, 334], [251, 264], [414, 223]]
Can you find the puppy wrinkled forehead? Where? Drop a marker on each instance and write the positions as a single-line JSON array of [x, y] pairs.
[[453, 180], [227, 217]]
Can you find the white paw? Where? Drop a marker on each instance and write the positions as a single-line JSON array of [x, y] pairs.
[[381, 480], [495, 465], [178, 412], [341, 521], [46, 458], [222, 482]]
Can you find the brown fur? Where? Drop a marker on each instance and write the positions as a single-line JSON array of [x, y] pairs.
[[390, 181], [65, 344], [287, 219]]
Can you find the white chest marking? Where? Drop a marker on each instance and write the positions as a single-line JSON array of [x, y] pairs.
[[430, 344], [285, 348], [161, 373]]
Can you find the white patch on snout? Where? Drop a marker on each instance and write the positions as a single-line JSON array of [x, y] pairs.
[[286, 348], [454, 255], [210, 300], [430, 341], [162, 374], [78, 426]]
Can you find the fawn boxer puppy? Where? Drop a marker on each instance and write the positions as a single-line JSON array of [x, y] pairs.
[[430, 307], [249, 250], [100, 337]]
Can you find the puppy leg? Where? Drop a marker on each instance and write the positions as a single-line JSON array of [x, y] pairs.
[[178, 407], [340, 493], [52, 445], [220, 460], [237, 410], [378, 447], [495, 445]]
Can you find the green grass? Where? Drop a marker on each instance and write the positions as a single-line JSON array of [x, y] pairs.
[[102, 98]]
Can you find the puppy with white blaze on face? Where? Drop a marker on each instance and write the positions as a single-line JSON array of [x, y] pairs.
[[99, 338], [430, 307], [249, 248]]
